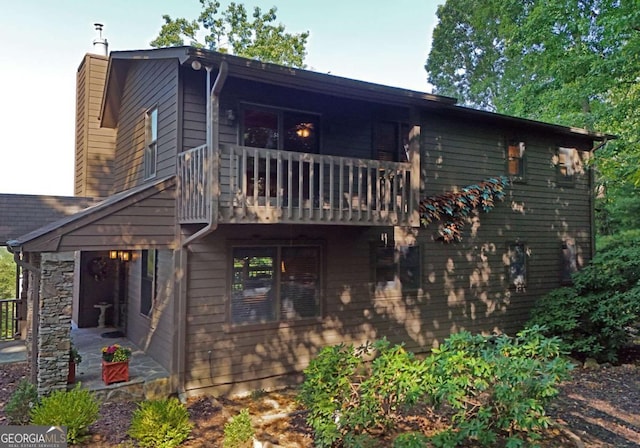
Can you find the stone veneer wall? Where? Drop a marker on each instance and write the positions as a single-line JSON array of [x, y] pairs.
[[54, 326]]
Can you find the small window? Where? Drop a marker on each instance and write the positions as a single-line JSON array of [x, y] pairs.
[[569, 261], [391, 141], [397, 267], [569, 165], [151, 142], [515, 160], [148, 284], [517, 266], [275, 284]]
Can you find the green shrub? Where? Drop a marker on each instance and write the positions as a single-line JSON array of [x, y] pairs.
[[160, 423], [347, 396], [75, 409], [591, 316], [23, 399], [238, 432], [411, 440], [497, 385]]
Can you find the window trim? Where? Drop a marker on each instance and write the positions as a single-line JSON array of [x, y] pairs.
[[522, 175], [150, 162], [230, 326], [397, 284], [510, 280], [144, 271]]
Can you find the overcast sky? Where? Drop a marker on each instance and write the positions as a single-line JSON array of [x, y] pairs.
[[42, 43]]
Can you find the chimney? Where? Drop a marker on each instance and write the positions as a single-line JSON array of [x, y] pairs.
[[100, 45]]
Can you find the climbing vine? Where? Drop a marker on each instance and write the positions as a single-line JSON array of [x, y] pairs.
[[454, 207]]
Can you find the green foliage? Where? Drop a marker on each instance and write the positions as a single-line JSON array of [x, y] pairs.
[[496, 385], [7, 275], [411, 440], [232, 30], [590, 317], [160, 423], [75, 409], [455, 207], [347, 396], [23, 399], [238, 432]]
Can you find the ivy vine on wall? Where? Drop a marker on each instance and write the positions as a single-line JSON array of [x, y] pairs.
[[453, 207]]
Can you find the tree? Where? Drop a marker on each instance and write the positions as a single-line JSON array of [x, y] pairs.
[[233, 31], [571, 62], [7, 275]]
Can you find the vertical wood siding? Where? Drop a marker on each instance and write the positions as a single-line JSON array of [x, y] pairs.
[[149, 84]]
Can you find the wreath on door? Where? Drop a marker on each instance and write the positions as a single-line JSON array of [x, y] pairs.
[[99, 268]]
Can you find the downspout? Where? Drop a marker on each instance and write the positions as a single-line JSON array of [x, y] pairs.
[[14, 247], [213, 149]]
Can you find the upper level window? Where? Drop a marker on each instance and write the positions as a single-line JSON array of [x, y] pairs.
[[391, 141], [280, 129], [569, 165], [275, 284], [148, 287], [397, 267], [515, 160], [151, 142]]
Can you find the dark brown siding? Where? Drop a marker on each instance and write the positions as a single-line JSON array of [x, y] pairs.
[[152, 333], [148, 84], [95, 146]]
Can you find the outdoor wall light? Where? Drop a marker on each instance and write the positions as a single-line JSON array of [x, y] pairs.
[[122, 255]]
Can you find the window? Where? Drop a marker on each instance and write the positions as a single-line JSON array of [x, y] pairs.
[[569, 164], [151, 142], [148, 284], [517, 266], [569, 261], [280, 129], [391, 141], [397, 267], [275, 284], [515, 160]]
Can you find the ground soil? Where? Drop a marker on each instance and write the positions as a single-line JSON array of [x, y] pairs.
[[599, 407]]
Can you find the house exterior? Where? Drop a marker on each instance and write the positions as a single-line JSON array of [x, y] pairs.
[[255, 213]]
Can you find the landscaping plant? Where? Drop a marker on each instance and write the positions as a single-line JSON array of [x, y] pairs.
[[75, 409], [238, 431], [160, 423], [23, 399], [591, 316]]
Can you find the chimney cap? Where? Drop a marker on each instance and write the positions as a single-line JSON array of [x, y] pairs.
[[100, 45]]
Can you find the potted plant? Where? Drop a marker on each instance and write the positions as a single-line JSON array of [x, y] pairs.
[[115, 363], [74, 360]]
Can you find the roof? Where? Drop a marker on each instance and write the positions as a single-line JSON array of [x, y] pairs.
[[53, 230], [328, 84], [22, 213]]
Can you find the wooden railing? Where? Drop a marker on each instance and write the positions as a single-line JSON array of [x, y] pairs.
[[269, 186], [8, 318]]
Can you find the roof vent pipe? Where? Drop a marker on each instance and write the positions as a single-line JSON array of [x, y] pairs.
[[100, 45]]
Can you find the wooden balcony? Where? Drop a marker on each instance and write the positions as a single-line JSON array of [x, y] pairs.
[[254, 185]]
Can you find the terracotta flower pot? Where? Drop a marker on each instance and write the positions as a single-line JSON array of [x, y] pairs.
[[115, 372], [71, 376]]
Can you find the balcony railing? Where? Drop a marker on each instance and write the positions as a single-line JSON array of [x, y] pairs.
[[268, 186]]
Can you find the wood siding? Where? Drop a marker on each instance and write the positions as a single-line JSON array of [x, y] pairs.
[[149, 84], [464, 285], [152, 333], [95, 146]]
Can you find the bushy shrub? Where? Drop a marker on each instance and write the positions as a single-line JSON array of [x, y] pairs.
[[348, 396], [238, 432], [160, 423], [75, 409], [591, 316], [496, 385], [22, 401], [411, 440]]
